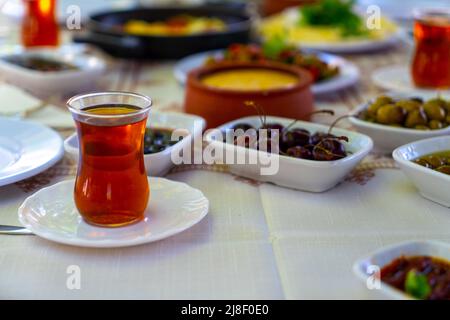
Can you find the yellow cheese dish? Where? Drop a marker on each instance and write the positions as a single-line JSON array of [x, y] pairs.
[[250, 79], [182, 25], [287, 25]]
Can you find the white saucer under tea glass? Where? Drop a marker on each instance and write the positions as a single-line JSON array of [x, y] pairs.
[[173, 207]]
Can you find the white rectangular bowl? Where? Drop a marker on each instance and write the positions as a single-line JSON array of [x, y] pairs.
[[384, 256], [433, 185], [44, 84], [301, 174], [157, 164], [387, 138]]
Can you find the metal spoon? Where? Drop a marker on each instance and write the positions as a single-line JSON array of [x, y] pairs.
[[14, 230]]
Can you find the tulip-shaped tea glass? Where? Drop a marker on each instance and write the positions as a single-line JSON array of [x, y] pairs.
[[111, 188], [431, 62]]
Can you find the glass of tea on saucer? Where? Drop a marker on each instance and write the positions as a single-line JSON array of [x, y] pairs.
[[431, 61], [111, 187]]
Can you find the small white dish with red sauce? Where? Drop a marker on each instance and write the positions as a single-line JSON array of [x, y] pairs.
[[370, 268]]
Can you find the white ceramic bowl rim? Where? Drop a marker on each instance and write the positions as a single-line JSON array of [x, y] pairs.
[[398, 155]]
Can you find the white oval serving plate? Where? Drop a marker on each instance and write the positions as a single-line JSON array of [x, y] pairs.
[[290, 17], [348, 75], [397, 78]]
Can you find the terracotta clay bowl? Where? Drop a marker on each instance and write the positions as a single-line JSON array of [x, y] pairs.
[[218, 106]]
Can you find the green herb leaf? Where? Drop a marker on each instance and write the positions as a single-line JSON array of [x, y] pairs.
[[274, 46], [338, 13], [416, 284]]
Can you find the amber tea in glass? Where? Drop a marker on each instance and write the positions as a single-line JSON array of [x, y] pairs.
[[39, 25], [111, 187], [431, 62]]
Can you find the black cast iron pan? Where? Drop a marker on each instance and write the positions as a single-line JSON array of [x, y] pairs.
[[105, 31]]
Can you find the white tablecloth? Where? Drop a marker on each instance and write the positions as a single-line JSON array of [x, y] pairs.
[[257, 242]]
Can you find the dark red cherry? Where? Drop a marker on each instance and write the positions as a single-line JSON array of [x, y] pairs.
[[272, 126], [299, 152], [319, 136], [295, 137], [329, 149]]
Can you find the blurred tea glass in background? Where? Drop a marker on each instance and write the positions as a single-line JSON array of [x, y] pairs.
[[431, 62], [111, 187], [39, 24]]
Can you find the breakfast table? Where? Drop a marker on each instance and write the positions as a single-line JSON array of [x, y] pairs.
[[258, 241]]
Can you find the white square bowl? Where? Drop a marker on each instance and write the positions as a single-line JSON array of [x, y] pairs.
[[301, 174], [387, 138], [157, 164], [431, 184], [45, 84], [363, 267]]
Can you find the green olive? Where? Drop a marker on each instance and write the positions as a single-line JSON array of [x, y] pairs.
[[411, 112], [436, 124], [434, 111], [382, 100], [408, 105], [417, 99], [379, 102], [438, 101], [415, 118], [423, 162], [364, 115], [435, 161], [390, 114], [444, 169], [422, 127], [439, 161]]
